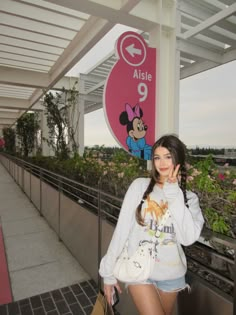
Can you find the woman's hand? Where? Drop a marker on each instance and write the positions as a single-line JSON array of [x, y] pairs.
[[109, 291], [172, 178]]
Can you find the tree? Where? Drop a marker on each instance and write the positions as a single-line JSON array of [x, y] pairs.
[[26, 129], [9, 136], [62, 121]]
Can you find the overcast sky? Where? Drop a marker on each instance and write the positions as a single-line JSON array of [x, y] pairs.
[[208, 107], [207, 103]]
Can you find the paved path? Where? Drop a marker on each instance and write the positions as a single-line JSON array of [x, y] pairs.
[[37, 261], [5, 285]]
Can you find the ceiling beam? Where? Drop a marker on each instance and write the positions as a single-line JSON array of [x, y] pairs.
[[193, 10], [4, 126], [19, 77], [32, 79], [91, 98], [12, 115], [90, 33], [210, 21], [13, 103], [119, 15], [195, 50], [38, 107], [95, 87], [206, 65], [202, 13], [88, 36], [18, 104], [229, 56], [92, 108], [66, 83], [196, 68], [7, 121], [90, 77]]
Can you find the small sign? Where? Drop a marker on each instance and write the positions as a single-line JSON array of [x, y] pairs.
[[130, 95]]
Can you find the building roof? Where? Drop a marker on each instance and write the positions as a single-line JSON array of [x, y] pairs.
[[42, 40]]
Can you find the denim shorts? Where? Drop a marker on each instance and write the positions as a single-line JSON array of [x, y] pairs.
[[174, 285]]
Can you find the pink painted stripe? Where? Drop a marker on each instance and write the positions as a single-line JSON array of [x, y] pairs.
[[5, 286]]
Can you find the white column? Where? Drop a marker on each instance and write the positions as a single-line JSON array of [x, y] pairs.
[[81, 128], [81, 104], [167, 70], [77, 123], [17, 142], [46, 151], [177, 72]]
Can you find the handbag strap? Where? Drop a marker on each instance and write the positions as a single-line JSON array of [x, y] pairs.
[[162, 223], [159, 229]]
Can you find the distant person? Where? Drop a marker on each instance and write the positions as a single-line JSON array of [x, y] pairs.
[[144, 207]]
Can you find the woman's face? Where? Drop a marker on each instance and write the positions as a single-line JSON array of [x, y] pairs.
[[163, 162]]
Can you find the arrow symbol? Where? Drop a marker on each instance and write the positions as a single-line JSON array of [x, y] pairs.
[[132, 50]]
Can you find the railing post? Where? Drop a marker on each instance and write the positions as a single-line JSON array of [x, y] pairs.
[[23, 178], [13, 171], [234, 298], [40, 191], [59, 208], [99, 231], [30, 185], [18, 181]]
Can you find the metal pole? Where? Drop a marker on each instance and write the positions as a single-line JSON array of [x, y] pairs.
[[13, 171], [234, 297], [59, 208], [18, 174], [40, 191], [23, 178], [30, 185], [99, 231]]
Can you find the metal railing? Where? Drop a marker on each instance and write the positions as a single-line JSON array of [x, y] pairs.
[[106, 207]]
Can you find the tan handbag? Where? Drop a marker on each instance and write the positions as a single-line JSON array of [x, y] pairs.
[[101, 307]]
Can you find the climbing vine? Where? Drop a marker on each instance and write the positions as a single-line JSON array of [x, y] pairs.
[[62, 121]]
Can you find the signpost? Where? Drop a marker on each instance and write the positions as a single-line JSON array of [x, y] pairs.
[[130, 95]]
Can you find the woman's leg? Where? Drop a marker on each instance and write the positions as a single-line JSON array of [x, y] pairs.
[[146, 299], [168, 300]]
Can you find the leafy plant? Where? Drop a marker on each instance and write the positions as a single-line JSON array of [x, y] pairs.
[[216, 221], [9, 138], [2, 144], [115, 169], [216, 190], [26, 129]]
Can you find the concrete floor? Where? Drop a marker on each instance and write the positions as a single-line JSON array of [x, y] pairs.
[[37, 261]]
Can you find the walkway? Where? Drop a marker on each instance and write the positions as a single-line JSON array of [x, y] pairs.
[[44, 277]]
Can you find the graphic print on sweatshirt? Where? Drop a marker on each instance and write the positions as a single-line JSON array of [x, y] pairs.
[[156, 210], [153, 213]]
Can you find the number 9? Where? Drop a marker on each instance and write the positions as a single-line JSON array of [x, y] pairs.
[[143, 91]]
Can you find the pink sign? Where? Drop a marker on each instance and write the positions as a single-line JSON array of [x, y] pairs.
[[130, 95]]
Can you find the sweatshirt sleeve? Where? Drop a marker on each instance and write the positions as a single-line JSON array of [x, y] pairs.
[[188, 221], [125, 221]]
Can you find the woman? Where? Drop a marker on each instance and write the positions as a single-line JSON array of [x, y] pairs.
[[143, 208]]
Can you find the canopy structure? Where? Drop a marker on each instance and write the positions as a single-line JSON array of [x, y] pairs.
[[40, 41]]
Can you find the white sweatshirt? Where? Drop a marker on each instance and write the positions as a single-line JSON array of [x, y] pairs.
[[182, 227]]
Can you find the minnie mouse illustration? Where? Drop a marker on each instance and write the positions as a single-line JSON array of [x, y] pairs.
[[136, 129]]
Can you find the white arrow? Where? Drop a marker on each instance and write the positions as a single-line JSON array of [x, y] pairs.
[[132, 50]]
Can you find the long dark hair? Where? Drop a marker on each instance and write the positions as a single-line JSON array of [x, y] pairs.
[[177, 150]]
